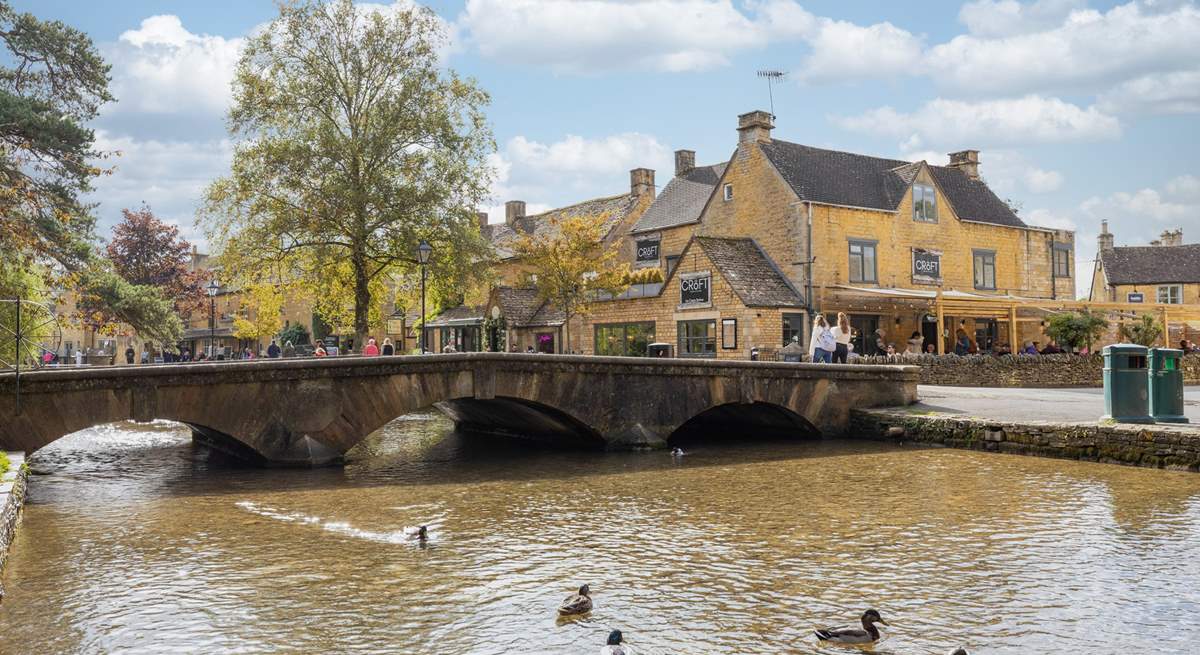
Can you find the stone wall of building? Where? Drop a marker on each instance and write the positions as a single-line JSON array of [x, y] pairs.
[[1171, 446], [1016, 370]]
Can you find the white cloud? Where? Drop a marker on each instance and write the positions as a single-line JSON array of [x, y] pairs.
[[1184, 188], [1158, 93], [958, 124], [1047, 218], [1138, 206], [161, 67], [1042, 181], [842, 49], [991, 18]]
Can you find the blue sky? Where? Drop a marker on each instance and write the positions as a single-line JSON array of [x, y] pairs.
[[1081, 110]]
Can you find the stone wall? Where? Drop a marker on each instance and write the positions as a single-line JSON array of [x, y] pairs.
[[1016, 370], [12, 498], [1156, 446]]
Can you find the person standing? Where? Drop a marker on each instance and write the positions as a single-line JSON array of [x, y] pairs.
[[370, 350], [916, 343], [388, 348], [289, 350], [273, 350], [823, 343], [962, 344], [842, 333], [320, 351], [130, 353]]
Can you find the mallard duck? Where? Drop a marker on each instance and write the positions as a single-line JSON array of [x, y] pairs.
[[421, 535], [614, 646], [867, 634], [579, 603]]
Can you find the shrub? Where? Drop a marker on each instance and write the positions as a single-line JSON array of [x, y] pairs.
[[1144, 332], [1076, 329], [4, 463]]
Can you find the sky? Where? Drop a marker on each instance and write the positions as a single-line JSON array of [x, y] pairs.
[[1081, 110]]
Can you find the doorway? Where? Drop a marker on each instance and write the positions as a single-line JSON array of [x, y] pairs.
[[545, 342], [929, 332], [864, 333]]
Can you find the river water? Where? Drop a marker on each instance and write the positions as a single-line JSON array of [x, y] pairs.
[[135, 541]]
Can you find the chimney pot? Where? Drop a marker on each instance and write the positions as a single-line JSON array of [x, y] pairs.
[[685, 162], [513, 209], [1172, 237], [641, 181], [755, 126], [1105, 239], [482, 217], [966, 161]]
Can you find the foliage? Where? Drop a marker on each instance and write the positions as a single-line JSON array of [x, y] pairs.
[[1076, 329], [570, 264], [1145, 331], [259, 316], [294, 333], [644, 276], [355, 144], [16, 282], [5, 464], [52, 82]]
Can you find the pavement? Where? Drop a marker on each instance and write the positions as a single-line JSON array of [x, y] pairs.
[[1060, 405]]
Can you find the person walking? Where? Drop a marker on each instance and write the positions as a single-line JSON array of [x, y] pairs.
[[145, 355], [843, 334], [388, 348], [320, 351], [962, 344], [289, 350], [370, 350], [130, 353], [273, 350], [823, 343]]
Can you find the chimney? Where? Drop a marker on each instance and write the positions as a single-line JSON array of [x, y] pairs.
[[966, 161], [1105, 240], [754, 126], [482, 217], [1170, 238], [641, 181], [685, 162], [513, 209]]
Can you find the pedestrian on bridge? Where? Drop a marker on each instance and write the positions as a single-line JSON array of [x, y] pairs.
[[273, 350], [388, 348], [823, 343], [370, 350], [289, 350]]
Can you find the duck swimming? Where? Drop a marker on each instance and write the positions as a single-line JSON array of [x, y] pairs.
[[613, 646], [959, 651], [867, 634], [579, 603], [677, 452]]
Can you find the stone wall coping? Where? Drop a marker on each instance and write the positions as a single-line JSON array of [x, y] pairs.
[[900, 414]]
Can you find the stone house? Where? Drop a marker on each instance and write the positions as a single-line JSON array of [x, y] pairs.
[[660, 235]]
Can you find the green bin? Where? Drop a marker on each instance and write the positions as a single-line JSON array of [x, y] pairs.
[[1126, 385], [1166, 385]]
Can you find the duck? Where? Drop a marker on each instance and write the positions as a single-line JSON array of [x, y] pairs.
[[421, 535], [867, 634], [614, 646], [959, 651], [677, 452], [580, 603]]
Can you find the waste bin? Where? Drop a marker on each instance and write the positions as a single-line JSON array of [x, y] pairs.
[[1126, 384], [659, 350], [1166, 385], [793, 352]]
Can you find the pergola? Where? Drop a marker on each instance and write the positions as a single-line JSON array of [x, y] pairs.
[[1007, 308]]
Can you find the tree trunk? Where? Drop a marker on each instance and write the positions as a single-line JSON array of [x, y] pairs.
[[362, 298]]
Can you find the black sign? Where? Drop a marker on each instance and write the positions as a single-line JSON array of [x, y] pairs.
[[694, 290], [1136, 297], [647, 250], [927, 265]]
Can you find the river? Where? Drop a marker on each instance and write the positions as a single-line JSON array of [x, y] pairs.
[[136, 541]]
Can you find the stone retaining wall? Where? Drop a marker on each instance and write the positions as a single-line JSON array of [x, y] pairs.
[[12, 499], [1016, 370], [1155, 446]]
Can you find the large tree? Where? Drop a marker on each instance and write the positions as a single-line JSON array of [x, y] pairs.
[[52, 82], [354, 144]]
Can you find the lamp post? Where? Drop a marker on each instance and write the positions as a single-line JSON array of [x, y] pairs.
[[423, 252], [212, 316]]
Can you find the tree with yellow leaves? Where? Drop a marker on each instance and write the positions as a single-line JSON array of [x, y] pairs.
[[260, 311], [570, 264]]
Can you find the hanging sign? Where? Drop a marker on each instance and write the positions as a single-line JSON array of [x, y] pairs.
[[695, 288], [647, 250], [1136, 297], [927, 266]]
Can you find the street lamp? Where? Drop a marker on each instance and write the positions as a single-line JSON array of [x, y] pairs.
[[212, 315], [423, 252]]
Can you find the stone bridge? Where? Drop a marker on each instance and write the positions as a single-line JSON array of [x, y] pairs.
[[309, 412]]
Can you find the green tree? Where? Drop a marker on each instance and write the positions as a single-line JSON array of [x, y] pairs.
[[354, 145], [258, 318], [1145, 331], [52, 82], [1076, 329], [570, 264]]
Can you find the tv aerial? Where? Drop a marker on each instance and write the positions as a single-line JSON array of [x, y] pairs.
[[773, 77]]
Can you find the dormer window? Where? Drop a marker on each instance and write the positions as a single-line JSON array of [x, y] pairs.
[[924, 203], [729, 192]]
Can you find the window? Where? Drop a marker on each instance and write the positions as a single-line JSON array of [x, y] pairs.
[[793, 328], [1062, 262], [862, 261], [729, 192], [985, 269], [698, 338], [624, 339], [729, 333], [924, 203], [672, 261], [1170, 294]]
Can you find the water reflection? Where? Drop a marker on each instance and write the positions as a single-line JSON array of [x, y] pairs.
[[137, 542]]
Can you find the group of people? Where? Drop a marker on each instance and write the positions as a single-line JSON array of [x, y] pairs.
[[830, 345], [1188, 347]]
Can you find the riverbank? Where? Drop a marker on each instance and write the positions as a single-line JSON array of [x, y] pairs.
[[12, 499], [1166, 446]]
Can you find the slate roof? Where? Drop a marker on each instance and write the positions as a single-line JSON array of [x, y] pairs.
[[461, 315], [754, 278], [682, 200], [844, 178], [1152, 264], [521, 307], [612, 210]]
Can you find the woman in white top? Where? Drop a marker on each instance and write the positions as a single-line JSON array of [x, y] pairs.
[[842, 333], [822, 344]]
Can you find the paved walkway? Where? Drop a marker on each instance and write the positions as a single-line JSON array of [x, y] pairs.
[[1066, 405]]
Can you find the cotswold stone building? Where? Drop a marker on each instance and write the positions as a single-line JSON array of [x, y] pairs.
[[1167, 271]]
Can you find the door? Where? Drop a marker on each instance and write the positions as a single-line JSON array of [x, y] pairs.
[[545, 342], [864, 333], [929, 333]]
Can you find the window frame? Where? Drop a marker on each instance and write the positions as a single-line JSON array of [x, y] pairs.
[[988, 256], [623, 339], [1178, 294], [1065, 252], [683, 335], [671, 261], [863, 243], [919, 216], [725, 343], [786, 324], [727, 192]]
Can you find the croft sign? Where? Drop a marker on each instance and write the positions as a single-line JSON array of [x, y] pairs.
[[647, 250], [927, 266], [695, 288]]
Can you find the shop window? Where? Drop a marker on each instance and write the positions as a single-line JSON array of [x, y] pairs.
[[924, 203], [624, 339], [698, 338], [985, 270], [1062, 262], [545, 342], [862, 262], [793, 328], [729, 333], [1170, 294]]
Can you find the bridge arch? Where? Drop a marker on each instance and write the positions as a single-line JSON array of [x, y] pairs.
[[758, 419]]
